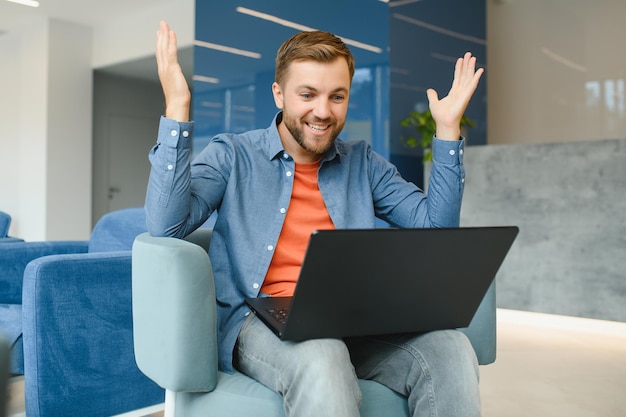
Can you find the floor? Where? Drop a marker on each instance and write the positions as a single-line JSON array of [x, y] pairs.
[[553, 366], [547, 366]]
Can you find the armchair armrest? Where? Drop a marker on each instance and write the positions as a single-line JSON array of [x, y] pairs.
[[482, 329], [174, 309], [77, 337], [14, 256]]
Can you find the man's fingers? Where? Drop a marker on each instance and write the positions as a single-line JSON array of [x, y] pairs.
[[477, 74], [162, 44], [432, 95], [448, 110], [464, 69], [466, 77], [166, 47]]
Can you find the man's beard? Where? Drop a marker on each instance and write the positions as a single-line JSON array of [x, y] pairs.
[[317, 145]]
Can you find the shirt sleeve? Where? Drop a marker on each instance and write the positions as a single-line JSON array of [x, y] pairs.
[[168, 193], [448, 152], [403, 204], [446, 183]]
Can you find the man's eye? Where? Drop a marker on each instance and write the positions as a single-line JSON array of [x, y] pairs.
[[306, 96], [338, 98]]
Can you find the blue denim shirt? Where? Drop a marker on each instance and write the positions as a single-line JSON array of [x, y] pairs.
[[248, 179]]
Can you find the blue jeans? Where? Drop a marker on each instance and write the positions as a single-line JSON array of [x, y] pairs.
[[436, 371]]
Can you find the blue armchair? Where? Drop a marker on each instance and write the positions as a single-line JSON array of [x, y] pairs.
[[76, 346], [14, 257], [175, 340], [5, 224]]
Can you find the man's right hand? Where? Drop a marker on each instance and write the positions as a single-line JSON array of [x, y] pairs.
[[173, 82]]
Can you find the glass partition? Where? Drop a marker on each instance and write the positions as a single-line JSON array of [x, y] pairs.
[[400, 48]]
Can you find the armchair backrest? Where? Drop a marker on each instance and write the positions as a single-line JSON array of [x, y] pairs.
[[5, 223], [117, 230]]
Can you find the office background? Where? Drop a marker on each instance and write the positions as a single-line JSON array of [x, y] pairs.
[[551, 108]]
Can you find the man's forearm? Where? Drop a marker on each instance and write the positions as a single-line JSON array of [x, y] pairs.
[[168, 193], [447, 181]]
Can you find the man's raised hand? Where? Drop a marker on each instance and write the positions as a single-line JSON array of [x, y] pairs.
[[448, 111], [173, 82]]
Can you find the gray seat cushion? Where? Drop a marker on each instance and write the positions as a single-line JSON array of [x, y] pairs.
[[237, 394]]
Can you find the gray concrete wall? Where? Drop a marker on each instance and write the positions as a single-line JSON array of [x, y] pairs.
[[569, 200]]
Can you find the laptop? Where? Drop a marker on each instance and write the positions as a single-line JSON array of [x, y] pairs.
[[382, 281]]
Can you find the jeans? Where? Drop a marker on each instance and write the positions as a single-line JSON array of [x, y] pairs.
[[436, 371]]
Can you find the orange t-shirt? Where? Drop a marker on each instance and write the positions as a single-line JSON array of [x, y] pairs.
[[307, 212]]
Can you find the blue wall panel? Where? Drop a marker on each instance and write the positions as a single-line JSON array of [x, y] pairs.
[[409, 46], [240, 96], [426, 37]]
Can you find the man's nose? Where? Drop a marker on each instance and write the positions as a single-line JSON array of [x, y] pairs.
[[322, 109]]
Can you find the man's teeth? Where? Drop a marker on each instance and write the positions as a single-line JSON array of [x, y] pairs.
[[315, 127]]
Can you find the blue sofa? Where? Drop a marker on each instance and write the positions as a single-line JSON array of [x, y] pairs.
[[5, 224], [73, 301]]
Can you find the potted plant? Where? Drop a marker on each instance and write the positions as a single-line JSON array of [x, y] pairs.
[[424, 123]]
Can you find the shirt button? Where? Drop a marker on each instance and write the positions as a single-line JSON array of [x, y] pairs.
[[255, 285], [462, 180], [170, 167], [246, 314], [283, 210], [173, 133], [460, 151], [185, 133], [452, 152], [270, 247], [288, 173], [286, 155]]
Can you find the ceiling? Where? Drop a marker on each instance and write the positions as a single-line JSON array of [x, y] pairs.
[[91, 13], [86, 12]]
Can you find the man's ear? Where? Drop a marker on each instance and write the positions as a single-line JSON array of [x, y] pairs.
[[278, 95]]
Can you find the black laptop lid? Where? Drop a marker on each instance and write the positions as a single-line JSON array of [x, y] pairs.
[[378, 281]]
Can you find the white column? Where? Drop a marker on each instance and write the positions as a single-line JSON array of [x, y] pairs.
[[46, 174]]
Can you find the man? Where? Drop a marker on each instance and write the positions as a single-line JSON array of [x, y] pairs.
[[272, 187]]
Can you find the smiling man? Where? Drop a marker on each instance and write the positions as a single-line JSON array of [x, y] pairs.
[[272, 187]]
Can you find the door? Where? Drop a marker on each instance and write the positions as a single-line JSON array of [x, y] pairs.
[[130, 141]]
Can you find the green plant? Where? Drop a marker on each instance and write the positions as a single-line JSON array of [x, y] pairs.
[[424, 123]]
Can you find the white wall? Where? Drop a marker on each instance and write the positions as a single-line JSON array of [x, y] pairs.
[[555, 70], [9, 117], [69, 113], [44, 186], [46, 70], [134, 36]]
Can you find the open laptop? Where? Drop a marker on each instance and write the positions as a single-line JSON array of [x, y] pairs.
[[381, 281]]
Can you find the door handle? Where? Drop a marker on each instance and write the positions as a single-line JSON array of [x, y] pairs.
[[113, 190]]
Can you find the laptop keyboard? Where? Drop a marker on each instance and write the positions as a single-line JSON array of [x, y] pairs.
[[279, 314]]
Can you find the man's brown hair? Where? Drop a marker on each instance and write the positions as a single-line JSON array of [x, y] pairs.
[[314, 46]]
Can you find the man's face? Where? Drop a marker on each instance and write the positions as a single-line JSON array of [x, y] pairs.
[[314, 99]]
